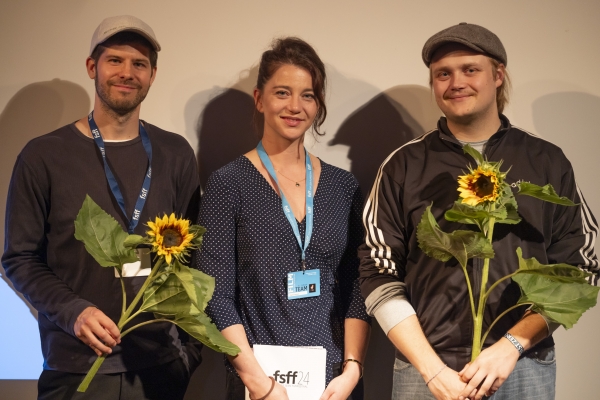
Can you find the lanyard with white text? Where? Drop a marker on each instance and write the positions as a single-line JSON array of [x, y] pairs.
[[114, 185], [264, 157]]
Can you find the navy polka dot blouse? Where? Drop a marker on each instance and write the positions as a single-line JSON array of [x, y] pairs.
[[249, 247]]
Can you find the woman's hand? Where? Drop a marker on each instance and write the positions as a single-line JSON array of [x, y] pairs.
[[341, 387], [278, 393], [254, 378], [260, 390]]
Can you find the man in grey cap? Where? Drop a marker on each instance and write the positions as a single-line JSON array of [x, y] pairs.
[[134, 171], [422, 304]]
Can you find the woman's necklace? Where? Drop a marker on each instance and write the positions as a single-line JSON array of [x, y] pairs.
[[293, 180]]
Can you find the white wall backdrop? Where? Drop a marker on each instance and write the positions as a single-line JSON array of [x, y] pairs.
[[372, 50]]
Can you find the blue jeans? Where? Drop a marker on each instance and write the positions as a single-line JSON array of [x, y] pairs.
[[534, 378]]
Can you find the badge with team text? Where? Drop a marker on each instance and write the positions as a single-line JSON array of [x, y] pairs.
[[303, 284]]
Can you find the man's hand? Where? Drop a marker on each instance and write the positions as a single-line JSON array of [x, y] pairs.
[[446, 385], [342, 386], [96, 330], [490, 369]]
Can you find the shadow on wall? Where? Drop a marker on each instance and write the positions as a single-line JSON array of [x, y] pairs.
[[225, 128], [383, 124], [386, 122], [34, 110], [225, 131], [571, 119]]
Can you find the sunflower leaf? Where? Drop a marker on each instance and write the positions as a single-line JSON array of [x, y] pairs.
[[509, 203], [467, 214], [198, 232], [133, 241], [199, 326], [545, 193], [198, 286], [166, 296], [560, 292], [473, 153], [102, 236], [459, 244], [205, 284], [512, 216]]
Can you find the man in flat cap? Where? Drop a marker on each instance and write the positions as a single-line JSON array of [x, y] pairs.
[[127, 166], [421, 303]]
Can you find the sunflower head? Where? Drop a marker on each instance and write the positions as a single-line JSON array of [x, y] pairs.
[[171, 237], [481, 185]]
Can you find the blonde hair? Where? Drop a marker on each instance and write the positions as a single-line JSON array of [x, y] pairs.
[[502, 91]]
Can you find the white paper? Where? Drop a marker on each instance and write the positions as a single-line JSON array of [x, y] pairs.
[[137, 268], [301, 370]]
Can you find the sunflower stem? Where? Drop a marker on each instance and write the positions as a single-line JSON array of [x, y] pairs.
[[500, 316], [470, 291], [122, 324], [91, 373], [478, 321], [145, 323], [147, 282], [489, 291], [124, 303]]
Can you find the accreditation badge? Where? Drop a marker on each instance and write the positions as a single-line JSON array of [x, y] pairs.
[[137, 268], [301, 370], [302, 284]]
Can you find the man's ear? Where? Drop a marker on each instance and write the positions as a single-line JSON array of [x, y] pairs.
[[90, 66], [500, 73], [154, 69]]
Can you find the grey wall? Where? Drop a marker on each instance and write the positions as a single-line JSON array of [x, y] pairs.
[[378, 99]]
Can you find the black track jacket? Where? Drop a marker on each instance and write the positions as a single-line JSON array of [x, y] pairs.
[[425, 171]]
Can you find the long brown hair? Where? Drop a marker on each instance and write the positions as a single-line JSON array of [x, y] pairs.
[[294, 51]]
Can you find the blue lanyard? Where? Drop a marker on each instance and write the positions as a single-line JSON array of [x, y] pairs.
[[114, 185], [287, 210]]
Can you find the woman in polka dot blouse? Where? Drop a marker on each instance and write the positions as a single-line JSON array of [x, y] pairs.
[[250, 245]]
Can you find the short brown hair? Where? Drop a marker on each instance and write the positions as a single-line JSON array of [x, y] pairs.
[[294, 51], [126, 37]]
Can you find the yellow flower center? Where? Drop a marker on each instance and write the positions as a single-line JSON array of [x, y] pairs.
[[171, 238]]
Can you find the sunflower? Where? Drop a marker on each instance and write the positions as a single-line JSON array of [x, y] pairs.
[[480, 185], [171, 237]]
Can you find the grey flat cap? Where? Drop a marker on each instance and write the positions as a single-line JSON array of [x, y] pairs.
[[113, 25], [473, 36]]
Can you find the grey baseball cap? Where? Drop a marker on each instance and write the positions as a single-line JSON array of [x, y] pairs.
[[113, 25], [473, 36]]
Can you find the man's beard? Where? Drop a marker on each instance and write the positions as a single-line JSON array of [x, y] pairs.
[[121, 107]]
